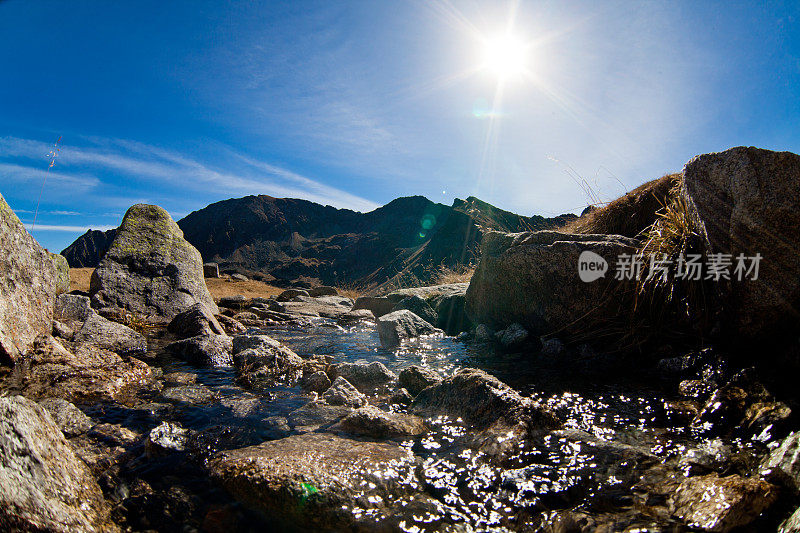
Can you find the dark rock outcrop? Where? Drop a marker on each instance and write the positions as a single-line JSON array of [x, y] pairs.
[[532, 279], [150, 269], [748, 200], [89, 248]]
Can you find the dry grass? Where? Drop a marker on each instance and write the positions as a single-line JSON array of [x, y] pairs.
[[79, 279], [219, 287], [628, 215], [457, 274]]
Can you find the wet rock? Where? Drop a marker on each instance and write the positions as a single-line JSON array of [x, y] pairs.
[[261, 361], [112, 336], [189, 394], [317, 382], [791, 524], [71, 307], [62, 330], [373, 422], [204, 350], [316, 480], [364, 376], [483, 401], [28, 286], [710, 455], [514, 336], [324, 306], [234, 302], [415, 379], [315, 415], [695, 388], [748, 200], [197, 320], [323, 290], [288, 294], [765, 419], [341, 392], [69, 419], [723, 410], [150, 269], [419, 307], [104, 446], [43, 485], [210, 270], [452, 312], [553, 348], [90, 374], [398, 326], [786, 459], [166, 438], [532, 278], [483, 333], [401, 397], [378, 305], [180, 378], [713, 503], [231, 325], [356, 315]]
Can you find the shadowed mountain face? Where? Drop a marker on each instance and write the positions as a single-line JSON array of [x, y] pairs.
[[294, 240]]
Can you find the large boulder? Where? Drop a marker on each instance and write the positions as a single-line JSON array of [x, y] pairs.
[[28, 285], [378, 305], [43, 485], [204, 350], [419, 307], [62, 272], [324, 306], [150, 268], [748, 201], [532, 278]]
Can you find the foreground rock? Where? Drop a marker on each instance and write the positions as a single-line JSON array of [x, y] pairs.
[[415, 379], [712, 503], [399, 326], [483, 401], [150, 269], [378, 305], [748, 200], [261, 361], [28, 287], [370, 421], [197, 320], [204, 350], [69, 419], [364, 376], [317, 481], [532, 278], [112, 336], [43, 485]]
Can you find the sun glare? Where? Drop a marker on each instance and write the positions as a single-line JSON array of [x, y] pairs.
[[505, 56]]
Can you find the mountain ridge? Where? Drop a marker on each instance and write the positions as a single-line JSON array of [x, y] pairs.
[[287, 240]]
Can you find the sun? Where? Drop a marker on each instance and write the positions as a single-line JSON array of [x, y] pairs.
[[505, 56]]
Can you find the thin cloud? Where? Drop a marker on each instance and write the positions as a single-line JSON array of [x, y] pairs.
[[70, 229], [150, 162], [14, 173]]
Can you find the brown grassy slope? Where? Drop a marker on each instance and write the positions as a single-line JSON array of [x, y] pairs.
[[218, 287], [79, 279], [630, 214]]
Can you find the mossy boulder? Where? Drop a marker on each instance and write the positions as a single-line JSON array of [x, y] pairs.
[[62, 272], [28, 284], [150, 269]]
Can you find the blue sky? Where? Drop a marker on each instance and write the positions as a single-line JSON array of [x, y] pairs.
[[355, 103]]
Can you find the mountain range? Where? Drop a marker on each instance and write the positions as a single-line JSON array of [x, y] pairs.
[[287, 241]]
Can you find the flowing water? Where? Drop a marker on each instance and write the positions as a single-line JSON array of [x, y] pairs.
[[620, 428]]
